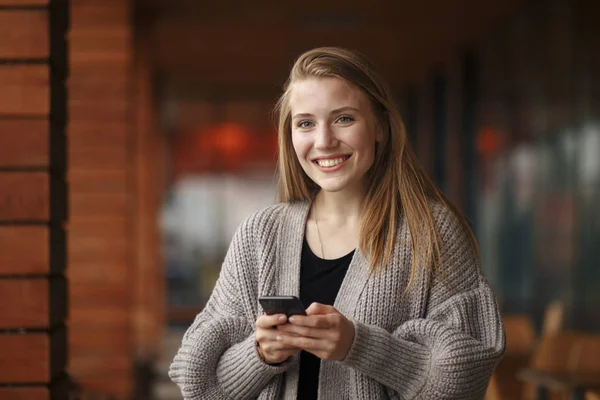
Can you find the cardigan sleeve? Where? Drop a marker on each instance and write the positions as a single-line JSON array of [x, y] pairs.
[[218, 357], [452, 351], [448, 355]]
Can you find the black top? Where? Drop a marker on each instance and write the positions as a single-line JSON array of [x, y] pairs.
[[320, 281]]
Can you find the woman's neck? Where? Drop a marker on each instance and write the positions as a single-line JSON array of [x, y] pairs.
[[337, 207]]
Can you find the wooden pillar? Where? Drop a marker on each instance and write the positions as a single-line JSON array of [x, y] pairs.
[[440, 129], [101, 175], [32, 199], [150, 174], [425, 115], [469, 111], [454, 136]]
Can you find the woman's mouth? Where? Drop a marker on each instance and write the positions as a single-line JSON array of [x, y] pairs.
[[330, 164]]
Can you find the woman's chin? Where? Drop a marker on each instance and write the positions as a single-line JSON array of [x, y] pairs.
[[334, 185]]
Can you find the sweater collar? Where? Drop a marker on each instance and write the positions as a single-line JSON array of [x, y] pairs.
[[291, 237]]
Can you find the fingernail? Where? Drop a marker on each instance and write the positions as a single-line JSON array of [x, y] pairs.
[[279, 338], [292, 319], [282, 318]]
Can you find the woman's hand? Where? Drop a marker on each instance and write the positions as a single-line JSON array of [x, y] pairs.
[[271, 350], [324, 332]]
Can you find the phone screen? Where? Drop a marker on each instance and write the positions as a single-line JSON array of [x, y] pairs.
[[288, 305]]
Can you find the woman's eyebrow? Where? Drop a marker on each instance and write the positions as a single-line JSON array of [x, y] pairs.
[[302, 115], [336, 111], [342, 109]]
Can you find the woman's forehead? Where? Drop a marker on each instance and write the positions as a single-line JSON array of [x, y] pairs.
[[324, 93]]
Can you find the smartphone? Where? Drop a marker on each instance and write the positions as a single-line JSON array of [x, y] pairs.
[[288, 305]]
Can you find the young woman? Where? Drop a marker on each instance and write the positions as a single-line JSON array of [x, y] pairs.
[[397, 305]]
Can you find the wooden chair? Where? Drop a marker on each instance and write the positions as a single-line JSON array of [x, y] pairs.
[[520, 338], [564, 365], [592, 395], [553, 318], [520, 333], [493, 391]]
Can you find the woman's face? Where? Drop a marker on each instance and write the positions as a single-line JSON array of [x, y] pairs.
[[333, 132]]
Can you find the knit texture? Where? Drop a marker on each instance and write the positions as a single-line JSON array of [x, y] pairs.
[[440, 340]]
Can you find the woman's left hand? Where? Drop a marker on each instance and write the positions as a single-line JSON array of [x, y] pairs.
[[324, 332]]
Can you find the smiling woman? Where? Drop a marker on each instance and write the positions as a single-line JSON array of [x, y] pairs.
[[397, 304]]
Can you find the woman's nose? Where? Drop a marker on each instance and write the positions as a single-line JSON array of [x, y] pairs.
[[325, 138]]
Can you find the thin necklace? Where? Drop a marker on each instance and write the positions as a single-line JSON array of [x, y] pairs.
[[319, 233]]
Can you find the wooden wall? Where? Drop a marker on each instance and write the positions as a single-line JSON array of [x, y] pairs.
[[101, 180], [33, 201], [115, 172]]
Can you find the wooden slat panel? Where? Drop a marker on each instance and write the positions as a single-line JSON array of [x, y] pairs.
[[101, 88], [100, 317], [149, 321], [23, 2], [108, 109], [25, 90], [98, 341], [98, 205], [97, 158], [27, 303], [99, 59], [24, 196], [121, 386], [99, 253], [92, 227], [24, 303], [100, 242], [24, 143], [95, 257], [99, 294], [116, 73], [84, 134], [24, 393], [94, 181], [84, 365], [101, 39], [88, 15], [24, 358], [33, 358], [24, 34], [94, 270], [24, 250]]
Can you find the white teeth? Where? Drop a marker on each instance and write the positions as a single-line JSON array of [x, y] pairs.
[[330, 163]]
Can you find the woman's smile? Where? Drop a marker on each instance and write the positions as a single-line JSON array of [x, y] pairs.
[[331, 164]]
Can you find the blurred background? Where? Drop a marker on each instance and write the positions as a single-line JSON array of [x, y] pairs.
[[136, 135]]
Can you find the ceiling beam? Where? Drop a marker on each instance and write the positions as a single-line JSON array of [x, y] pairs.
[[405, 43]]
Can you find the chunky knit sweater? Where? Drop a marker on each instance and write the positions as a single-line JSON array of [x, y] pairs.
[[441, 340]]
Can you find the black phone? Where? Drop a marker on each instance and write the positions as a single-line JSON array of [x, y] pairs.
[[288, 305]]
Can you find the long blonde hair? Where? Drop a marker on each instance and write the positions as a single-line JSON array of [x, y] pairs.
[[396, 183]]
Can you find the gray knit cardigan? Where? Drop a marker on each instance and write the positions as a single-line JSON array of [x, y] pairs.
[[441, 340]]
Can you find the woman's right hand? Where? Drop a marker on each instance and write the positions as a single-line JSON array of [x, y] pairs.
[[271, 350]]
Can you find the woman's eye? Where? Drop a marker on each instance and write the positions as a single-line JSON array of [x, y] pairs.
[[345, 119], [304, 124]]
